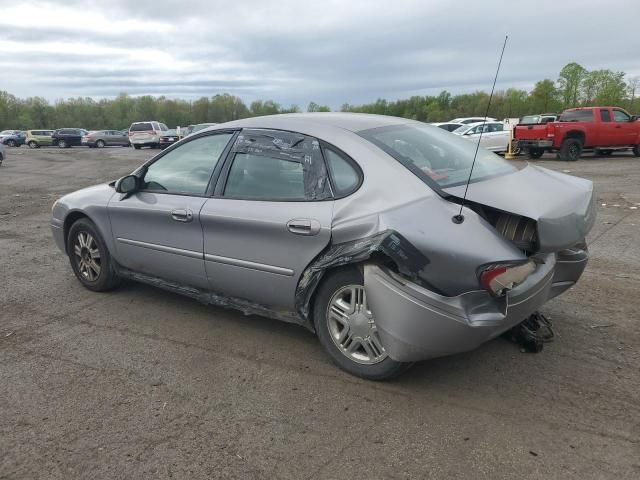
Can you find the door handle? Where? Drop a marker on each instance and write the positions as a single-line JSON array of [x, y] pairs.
[[303, 226], [182, 215], [618, 126]]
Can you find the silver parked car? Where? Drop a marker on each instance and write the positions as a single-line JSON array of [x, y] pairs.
[[106, 138], [347, 224]]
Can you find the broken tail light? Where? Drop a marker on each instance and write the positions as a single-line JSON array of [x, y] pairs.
[[499, 278], [551, 130]]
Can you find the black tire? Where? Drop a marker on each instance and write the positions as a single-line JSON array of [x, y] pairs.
[[106, 278], [333, 283], [570, 149], [62, 144], [137, 147], [33, 144], [100, 144], [536, 152], [636, 150], [11, 143]]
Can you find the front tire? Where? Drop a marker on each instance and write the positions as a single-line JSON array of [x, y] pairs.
[[11, 143], [62, 144], [570, 150], [137, 147], [346, 327], [636, 150], [90, 258]]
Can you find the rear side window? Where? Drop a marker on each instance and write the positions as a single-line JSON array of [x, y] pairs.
[[346, 179], [277, 166], [141, 127], [265, 178], [577, 116], [605, 115]]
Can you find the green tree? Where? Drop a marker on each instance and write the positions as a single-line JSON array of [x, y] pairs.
[[570, 82], [314, 107], [544, 97]]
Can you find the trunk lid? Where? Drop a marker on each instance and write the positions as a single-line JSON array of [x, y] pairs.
[[563, 206]]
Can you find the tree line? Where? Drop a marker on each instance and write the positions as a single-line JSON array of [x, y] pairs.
[[575, 86]]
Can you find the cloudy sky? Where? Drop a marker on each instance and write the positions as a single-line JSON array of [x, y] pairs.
[[331, 52]]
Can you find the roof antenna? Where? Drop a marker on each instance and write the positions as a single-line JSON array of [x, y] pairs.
[[459, 218]]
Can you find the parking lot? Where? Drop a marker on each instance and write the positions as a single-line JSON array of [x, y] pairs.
[[141, 383]]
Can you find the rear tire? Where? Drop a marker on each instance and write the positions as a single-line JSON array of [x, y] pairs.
[[90, 258], [33, 144], [100, 144], [11, 143], [570, 150], [636, 150], [350, 337], [137, 147], [536, 153]]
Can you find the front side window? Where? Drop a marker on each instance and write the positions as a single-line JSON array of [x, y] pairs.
[[277, 166], [620, 116], [439, 159], [495, 127], [188, 168]]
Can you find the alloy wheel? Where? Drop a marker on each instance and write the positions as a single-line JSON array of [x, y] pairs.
[[352, 326], [87, 256]]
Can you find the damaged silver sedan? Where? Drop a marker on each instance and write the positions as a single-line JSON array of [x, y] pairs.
[[350, 225]]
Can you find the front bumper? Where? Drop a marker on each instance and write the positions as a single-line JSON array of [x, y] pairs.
[[57, 230], [415, 323]]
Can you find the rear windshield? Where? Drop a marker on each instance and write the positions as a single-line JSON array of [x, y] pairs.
[[141, 127], [576, 116], [435, 156]]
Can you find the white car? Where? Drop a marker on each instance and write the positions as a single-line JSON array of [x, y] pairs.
[[495, 135], [146, 134], [467, 120]]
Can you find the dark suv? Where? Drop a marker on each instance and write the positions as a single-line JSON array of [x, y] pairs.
[[68, 137]]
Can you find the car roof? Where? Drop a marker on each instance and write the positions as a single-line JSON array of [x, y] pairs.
[[353, 122]]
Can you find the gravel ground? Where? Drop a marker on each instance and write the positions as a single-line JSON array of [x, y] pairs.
[[140, 383]]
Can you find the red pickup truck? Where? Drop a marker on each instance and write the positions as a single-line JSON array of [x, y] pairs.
[[604, 129]]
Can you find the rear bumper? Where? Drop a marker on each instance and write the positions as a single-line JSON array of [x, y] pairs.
[[415, 323], [534, 143]]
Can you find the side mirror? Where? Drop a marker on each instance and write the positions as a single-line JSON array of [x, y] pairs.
[[469, 132], [635, 117], [128, 184]]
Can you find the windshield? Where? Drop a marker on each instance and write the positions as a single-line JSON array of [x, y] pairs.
[[6, 132], [530, 119], [435, 156], [462, 129]]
